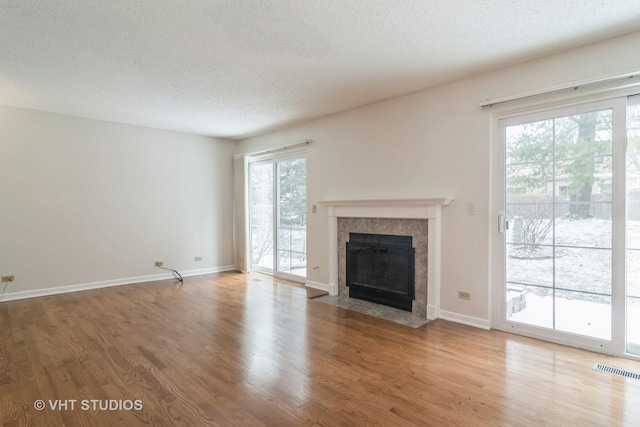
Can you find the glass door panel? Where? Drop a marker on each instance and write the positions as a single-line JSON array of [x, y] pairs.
[[261, 201], [558, 214], [292, 217], [633, 226]]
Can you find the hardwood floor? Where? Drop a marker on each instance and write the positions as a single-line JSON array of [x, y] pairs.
[[238, 350]]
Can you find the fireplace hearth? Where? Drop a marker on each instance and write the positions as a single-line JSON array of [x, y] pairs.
[[380, 268]]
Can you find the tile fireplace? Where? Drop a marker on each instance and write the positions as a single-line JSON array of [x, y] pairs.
[[416, 218]]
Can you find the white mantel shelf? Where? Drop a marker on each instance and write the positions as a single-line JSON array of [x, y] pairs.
[[387, 208], [424, 208], [444, 201]]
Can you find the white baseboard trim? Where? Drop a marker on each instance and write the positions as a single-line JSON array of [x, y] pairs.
[[13, 296], [465, 320], [201, 271], [317, 285], [432, 312]]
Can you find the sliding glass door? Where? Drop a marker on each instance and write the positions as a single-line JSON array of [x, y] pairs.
[[570, 238], [278, 216]]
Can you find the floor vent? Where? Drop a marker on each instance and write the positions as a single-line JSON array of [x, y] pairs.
[[615, 371]]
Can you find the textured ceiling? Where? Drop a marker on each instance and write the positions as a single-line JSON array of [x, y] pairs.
[[233, 68]]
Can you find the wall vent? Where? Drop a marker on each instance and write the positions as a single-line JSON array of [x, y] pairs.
[[615, 371]]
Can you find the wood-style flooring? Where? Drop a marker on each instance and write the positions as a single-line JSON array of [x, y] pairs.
[[232, 349]]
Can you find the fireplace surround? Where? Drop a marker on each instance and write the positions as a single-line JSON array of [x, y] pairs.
[[400, 212], [417, 229]]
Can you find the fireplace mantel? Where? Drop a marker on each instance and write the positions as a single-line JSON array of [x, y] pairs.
[[421, 208], [390, 202]]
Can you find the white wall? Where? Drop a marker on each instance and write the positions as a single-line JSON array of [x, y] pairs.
[[430, 144], [85, 201]]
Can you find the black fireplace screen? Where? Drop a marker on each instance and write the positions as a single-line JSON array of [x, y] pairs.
[[381, 269]]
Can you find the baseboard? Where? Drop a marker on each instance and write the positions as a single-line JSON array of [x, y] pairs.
[[465, 320], [202, 271], [432, 312], [317, 285], [109, 283]]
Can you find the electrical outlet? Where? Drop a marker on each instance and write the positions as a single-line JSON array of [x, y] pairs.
[[10, 278], [198, 258], [159, 263], [464, 295], [314, 209]]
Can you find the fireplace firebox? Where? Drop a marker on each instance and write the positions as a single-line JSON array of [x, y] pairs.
[[381, 269]]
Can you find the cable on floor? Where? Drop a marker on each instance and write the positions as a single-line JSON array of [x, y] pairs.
[[175, 274], [5, 288]]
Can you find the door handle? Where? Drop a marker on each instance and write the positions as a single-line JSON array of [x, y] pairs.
[[502, 224]]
